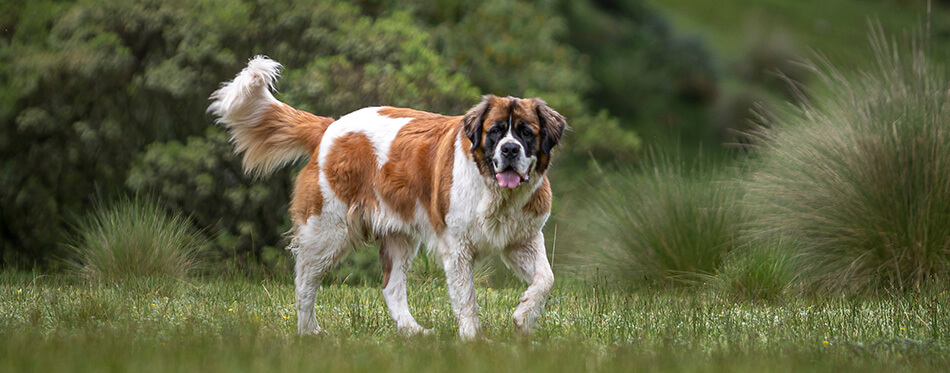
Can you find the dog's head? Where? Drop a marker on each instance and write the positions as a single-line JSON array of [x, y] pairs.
[[512, 138]]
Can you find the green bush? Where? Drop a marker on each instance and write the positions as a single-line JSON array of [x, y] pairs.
[[366, 62], [106, 97], [656, 81], [247, 219], [667, 223], [521, 48], [85, 86], [858, 181], [135, 239]]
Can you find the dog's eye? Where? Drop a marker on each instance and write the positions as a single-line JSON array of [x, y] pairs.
[[494, 130], [526, 132]]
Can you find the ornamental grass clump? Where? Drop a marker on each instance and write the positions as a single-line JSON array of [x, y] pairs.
[[134, 238], [665, 223], [857, 181], [757, 272]]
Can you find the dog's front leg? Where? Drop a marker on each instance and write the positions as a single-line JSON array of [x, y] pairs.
[[460, 280], [530, 262]]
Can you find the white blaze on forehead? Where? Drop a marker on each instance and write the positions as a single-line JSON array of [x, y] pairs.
[[380, 130], [509, 138], [522, 164]]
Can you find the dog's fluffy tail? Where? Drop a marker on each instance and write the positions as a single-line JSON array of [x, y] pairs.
[[268, 132]]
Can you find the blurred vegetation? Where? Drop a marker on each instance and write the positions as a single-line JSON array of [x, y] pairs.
[[846, 192], [100, 100], [108, 98], [672, 222]]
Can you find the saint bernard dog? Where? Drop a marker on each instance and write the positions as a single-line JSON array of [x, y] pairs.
[[467, 186]]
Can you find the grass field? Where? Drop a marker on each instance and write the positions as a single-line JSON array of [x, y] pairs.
[[51, 324]]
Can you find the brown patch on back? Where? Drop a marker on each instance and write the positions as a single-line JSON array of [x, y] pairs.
[[540, 202], [420, 165], [350, 167]]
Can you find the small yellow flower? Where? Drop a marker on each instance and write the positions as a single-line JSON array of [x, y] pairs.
[[230, 310], [809, 307], [720, 315], [826, 342], [902, 329], [19, 291], [154, 305], [286, 317]]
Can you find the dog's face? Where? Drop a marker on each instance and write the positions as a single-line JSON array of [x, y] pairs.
[[512, 138]]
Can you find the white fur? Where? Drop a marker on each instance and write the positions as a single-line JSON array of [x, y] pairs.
[[401, 250], [240, 101], [240, 104], [524, 165], [483, 219], [380, 130]]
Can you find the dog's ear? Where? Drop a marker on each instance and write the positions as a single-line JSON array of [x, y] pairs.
[[552, 125], [473, 119]]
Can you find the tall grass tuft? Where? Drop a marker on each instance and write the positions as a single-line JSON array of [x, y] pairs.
[[757, 272], [666, 223], [859, 180], [134, 238]]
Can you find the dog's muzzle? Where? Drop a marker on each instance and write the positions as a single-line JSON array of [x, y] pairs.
[[511, 165]]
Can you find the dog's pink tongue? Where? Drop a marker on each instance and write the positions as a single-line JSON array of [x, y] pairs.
[[508, 179]]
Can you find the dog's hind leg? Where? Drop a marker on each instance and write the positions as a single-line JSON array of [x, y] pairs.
[[529, 261], [396, 252], [320, 244]]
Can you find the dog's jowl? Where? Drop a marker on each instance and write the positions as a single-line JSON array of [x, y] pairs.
[[467, 186]]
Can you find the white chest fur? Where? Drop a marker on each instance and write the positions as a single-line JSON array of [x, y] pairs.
[[486, 218]]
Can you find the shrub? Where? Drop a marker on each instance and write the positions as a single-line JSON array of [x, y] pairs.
[[858, 181], [666, 222], [134, 239], [93, 94], [655, 80], [757, 272]]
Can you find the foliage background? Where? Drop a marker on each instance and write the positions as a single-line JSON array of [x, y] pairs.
[[102, 100]]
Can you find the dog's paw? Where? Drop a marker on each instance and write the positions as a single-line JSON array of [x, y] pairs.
[[414, 329], [312, 331], [524, 323], [477, 338]]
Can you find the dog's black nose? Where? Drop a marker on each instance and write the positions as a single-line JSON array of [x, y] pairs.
[[510, 150]]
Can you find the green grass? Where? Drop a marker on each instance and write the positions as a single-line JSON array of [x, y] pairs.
[[48, 323]]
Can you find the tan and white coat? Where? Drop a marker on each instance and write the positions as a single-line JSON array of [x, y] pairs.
[[402, 177]]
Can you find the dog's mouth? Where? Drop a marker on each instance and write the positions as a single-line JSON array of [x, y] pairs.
[[509, 178]]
